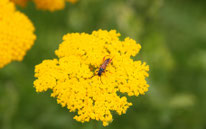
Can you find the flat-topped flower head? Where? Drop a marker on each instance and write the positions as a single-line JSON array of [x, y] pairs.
[[16, 33], [51, 5], [74, 80]]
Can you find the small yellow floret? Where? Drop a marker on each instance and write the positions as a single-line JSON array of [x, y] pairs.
[[74, 81], [16, 34]]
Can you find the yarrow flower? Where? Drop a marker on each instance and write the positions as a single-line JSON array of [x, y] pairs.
[[16, 33], [51, 5], [75, 83], [20, 2]]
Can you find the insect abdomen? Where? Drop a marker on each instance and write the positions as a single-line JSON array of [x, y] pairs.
[[101, 70]]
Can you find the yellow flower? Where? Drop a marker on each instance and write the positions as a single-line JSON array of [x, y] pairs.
[[20, 2], [6, 8], [16, 33], [74, 81], [51, 5]]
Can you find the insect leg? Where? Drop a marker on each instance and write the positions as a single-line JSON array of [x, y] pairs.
[[105, 57], [111, 59]]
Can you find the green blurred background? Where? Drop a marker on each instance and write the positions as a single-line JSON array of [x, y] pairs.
[[173, 38]]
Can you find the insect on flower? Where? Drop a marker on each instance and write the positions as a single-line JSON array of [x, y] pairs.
[[103, 66], [77, 78]]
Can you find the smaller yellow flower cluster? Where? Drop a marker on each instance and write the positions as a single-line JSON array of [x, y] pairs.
[[20, 2], [16, 33], [74, 81], [51, 5]]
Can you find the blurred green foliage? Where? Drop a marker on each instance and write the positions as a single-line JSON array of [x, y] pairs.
[[173, 39]]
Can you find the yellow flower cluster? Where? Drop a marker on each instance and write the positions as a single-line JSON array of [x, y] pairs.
[[16, 33], [74, 81], [50, 5], [20, 2]]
